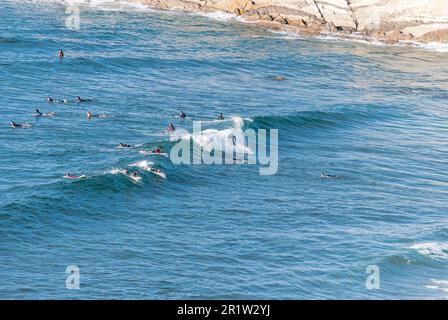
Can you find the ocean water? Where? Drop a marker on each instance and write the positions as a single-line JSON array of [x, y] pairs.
[[375, 115]]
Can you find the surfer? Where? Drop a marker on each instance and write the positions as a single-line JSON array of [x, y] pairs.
[[18, 125], [157, 150], [182, 115], [233, 138], [131, 175], [220, 117], [170, 128], [71, 176], [64, 100], [50, 99], [134, 175], [78, 99], [40, 114], [60, 54], [323, 175], [90, 115], [157, 172], [124, 145], [279, 78]]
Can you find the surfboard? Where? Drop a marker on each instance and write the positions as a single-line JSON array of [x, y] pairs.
[[50, 114], [153, 171], [160, 174], [21, 126], [74, 177], [329, 176], [135, 179], [130, 176], [150, 153]]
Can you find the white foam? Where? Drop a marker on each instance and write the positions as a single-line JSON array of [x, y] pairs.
[[286, 34], [116, 171], [144, 164], [220, 140], [213, 121], [151, 153], [431, 46], [435, 250], [351, 38], [218, 15], [126, 174], [441, 285], [238, 122]]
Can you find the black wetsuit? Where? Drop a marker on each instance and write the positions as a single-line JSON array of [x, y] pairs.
[[233, 137]]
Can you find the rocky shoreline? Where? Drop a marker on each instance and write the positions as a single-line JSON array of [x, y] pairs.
[[389, 21]]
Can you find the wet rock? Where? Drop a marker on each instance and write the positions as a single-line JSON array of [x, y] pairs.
[[389, 21]]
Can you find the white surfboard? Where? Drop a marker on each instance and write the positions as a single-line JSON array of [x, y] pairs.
[[135, 179], [154, 171], [151, 153], [160, 173], [49, 114], [124, 147], [74, 177]]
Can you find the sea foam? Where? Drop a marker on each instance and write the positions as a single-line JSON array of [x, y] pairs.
[[434, 250]]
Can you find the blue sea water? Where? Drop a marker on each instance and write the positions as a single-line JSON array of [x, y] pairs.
[[375, 115]]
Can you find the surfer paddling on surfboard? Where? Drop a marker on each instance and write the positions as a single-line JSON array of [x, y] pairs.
[[157, 151], [90, 115], [40, 114], [78, 99], [323, 175], [124, 146], [18, 125], [73, 177]]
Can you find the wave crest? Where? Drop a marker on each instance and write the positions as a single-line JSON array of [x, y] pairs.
[[434, 250]]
